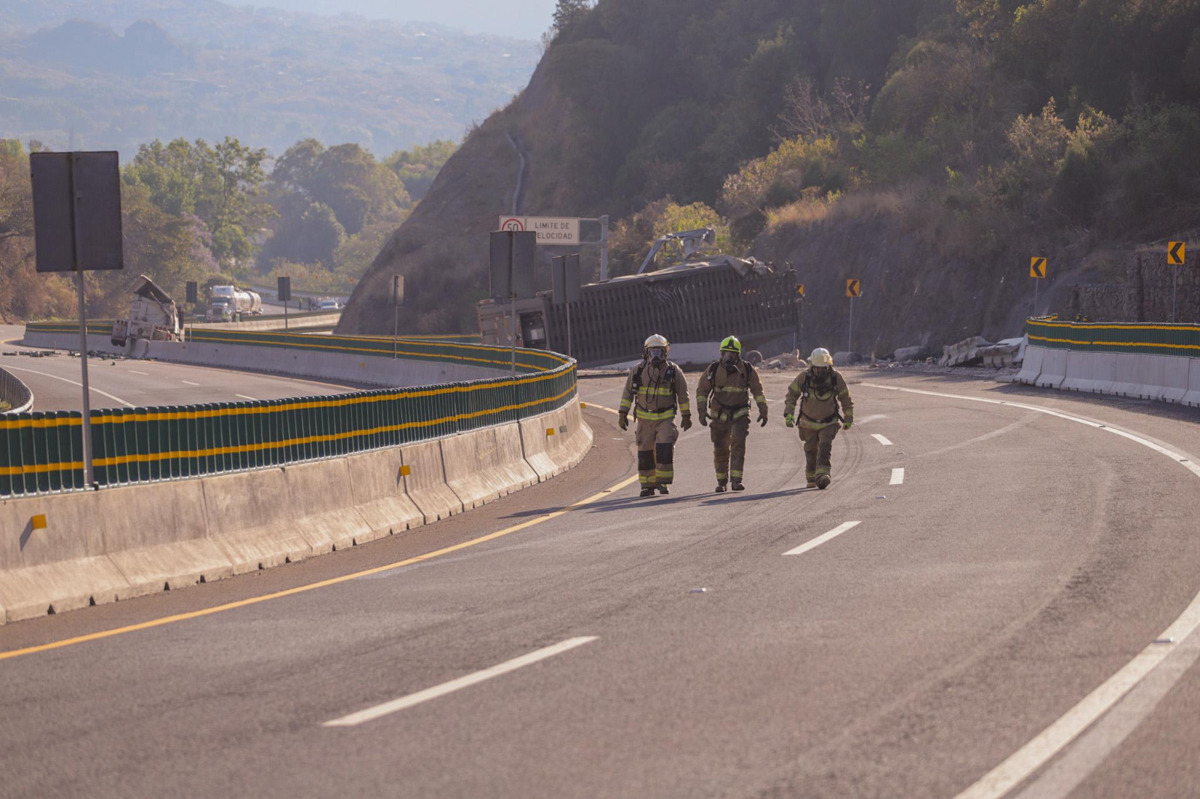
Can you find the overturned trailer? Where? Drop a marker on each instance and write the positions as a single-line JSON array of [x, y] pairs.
[[694, 304]]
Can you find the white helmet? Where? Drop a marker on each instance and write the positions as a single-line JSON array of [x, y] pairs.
[[656, 342], [820, 357]]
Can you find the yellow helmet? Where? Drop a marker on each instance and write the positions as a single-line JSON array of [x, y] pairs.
[[731, 344], [820, 357]]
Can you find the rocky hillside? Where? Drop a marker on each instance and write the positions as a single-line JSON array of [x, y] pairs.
[[928, 148]]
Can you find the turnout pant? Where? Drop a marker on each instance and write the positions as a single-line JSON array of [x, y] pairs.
[[818, 449], [656, 451], [729, 447]]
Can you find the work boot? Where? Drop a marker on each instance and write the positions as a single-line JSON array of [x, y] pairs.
[[736, 485], [720, 486], [662, 489], [812, 484], [648, 491], [823, 481]]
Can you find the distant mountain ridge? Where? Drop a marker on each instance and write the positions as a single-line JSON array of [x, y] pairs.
[[169, 69]]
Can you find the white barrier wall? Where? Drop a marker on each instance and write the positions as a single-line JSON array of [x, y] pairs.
[[106, 545], [371, 370], [1170, 378]]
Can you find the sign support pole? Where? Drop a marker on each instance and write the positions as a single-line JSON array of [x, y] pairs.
[[604, 248], [850, 337], [512, 300], [83, 347], [1174, 291]]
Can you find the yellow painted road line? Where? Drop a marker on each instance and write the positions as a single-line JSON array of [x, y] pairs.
[[196, 614], [598, 407]]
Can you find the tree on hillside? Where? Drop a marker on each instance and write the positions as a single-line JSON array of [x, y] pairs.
[[418, 166], [24, 294], [327, 195], [222, 185], [567, 13]]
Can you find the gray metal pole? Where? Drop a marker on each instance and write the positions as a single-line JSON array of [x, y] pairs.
[[850, 337], [395, 327], [569, 330], [512, 308], [86, 431], [603, 248], [1174, 290], [1035, 293]]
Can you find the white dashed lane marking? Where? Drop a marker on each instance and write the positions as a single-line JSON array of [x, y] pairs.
[[897, 477], [372, 713], [881, 439], [821, 539]]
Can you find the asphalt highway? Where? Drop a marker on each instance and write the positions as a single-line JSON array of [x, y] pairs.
[[56, 380], [996, 597]]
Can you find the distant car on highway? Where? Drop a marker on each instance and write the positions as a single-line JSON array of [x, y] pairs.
[[329, 305]]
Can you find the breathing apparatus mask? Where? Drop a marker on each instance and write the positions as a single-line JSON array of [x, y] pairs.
[[730, 359], [657, 355]]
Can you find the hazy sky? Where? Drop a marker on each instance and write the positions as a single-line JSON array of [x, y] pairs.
[[523, 19]]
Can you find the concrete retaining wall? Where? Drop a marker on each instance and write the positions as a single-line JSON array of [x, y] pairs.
[[1170, 378], [123, 542]]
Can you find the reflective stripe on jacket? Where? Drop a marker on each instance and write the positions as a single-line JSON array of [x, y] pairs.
[[659, 392], [726, 393], [821, 407]]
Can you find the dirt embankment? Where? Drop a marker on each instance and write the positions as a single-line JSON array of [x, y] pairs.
[[921, 285]]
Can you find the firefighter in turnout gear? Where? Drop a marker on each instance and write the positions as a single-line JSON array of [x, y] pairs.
[[655, 389], [723, 395], [820, 391]]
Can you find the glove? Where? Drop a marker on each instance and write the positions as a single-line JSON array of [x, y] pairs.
[[847, 422], [687, 421], [762, 415], [789, 421], [703, 418], [623, 421]]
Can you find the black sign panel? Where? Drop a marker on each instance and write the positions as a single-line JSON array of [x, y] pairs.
[[76, 211], [284, 289], [397, 289], [564, 276], [193, 295], [512, 263]]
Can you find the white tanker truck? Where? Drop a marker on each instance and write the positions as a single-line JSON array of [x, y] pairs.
[[230, 304]]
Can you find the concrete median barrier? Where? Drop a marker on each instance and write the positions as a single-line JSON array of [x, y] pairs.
[[157, 536], [1031, 367], [1053, 370], [320, 503], [535, 443], [249, 519], [425, 482], [1192, 396], [101, 546], [479, 469], [576, 435], [1085, 372], [377, 488]]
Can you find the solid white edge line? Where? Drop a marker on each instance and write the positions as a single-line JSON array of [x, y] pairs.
[[881, 439], [372, 713], [1050, 741], [897, 477], [92, 389], [188, 383], [243, 396], [821, 539]]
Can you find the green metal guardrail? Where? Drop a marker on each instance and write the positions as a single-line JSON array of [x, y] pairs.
[[1147, 339], [42, 452]]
